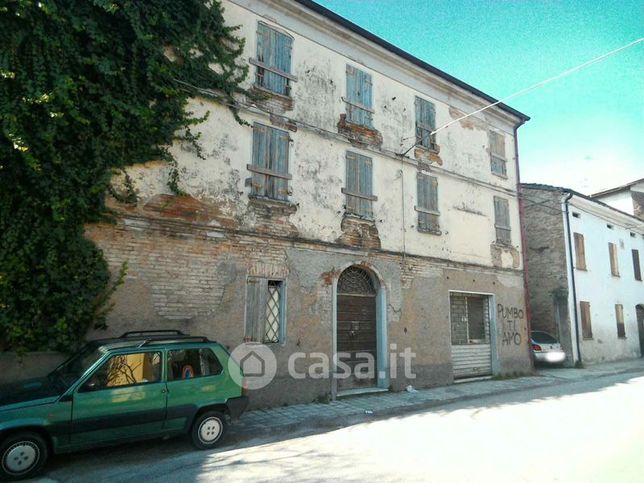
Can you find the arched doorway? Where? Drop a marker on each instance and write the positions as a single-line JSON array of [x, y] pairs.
[[640, 326], [357, 334]]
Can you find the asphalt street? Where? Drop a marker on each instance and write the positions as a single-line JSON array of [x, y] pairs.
[[588, 430]]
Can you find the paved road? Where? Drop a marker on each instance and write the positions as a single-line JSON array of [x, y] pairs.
[[590, 430]]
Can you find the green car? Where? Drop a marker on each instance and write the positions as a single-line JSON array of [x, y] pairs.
[[141, 385]]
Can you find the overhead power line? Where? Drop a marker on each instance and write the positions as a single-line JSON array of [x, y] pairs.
[[539, 84]]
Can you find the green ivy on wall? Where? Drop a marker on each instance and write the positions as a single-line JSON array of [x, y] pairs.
[[88, 88]]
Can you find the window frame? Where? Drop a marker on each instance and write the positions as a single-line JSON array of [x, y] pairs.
[[268, 175], [497, 140], [167, 363], [637, 267], [614, 259], [255, 332], [364, 109], [498, 226], [82, 387], [431, 213], [423, 105], [580, 251], [262, 65], [586, 320], [619, 320], [362, 199]]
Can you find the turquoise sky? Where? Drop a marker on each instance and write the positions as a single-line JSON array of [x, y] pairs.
[[587, 130]]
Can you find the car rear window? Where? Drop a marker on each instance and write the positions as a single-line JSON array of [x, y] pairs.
[[544, 338]]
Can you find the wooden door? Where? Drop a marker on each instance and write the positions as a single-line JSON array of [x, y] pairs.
[[356, 330]]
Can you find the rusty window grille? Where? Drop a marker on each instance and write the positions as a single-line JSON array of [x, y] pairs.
[[356, 281], [425, 124], [502, 221], [269, 168], [427, 207], [498, 160], [265, 310], [359, 97], [273, 63], [470, 319]]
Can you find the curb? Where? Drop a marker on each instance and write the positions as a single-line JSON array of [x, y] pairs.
[[329, 423]]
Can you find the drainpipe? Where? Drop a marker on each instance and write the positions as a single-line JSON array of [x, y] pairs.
[[524, 245], [572, 276]]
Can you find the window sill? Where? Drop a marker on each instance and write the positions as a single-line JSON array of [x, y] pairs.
[[429, 232], [622, 337], [433, 150], [588, 338], [356, 217], [503, 244], [271, 93], [264, 200], [581, 269], [499, 175]]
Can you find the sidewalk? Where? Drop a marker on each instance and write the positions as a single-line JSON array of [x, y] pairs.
[[351, 410]]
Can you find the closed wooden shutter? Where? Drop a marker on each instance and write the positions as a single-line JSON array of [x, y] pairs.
[[273, 50], [580, 251], [619, 319], [425, 123], [359, 185], [586, 324], [270, 162], [256, 289], [497, 153], [614, 262], [502, 220], [359, 97], [427, 192], [637, 271]]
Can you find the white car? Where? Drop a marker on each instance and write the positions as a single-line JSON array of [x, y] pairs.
[[546, 348]]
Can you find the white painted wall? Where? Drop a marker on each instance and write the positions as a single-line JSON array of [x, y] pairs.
[[621, 200], [603, 290], [321, 51]]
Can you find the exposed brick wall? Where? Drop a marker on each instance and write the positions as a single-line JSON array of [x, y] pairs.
[[547, 264]]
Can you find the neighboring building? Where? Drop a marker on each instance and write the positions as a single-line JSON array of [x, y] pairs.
[[584, 262], [319, 227], [628, 198]]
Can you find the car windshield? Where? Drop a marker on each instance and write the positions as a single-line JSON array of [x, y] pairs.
[[74, 367], [543, 338]]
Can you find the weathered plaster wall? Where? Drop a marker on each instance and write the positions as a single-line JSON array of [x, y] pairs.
[[603, 290], [193, 278], [466, 185]]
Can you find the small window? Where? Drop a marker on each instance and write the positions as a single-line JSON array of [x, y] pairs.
[[497, 154], [580, 251], [637, 271], [270, 163], [614, 261], [586, 325], [502, 221], [265, 310], [632, 235], [619, 319], [127, 370], [358, 189], [358, 100], [425, 124], [428, 214], [609, 226], [576, 215], [273, 61], [191, 363]]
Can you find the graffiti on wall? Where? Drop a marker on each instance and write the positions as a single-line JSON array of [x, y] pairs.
[[509, 317]]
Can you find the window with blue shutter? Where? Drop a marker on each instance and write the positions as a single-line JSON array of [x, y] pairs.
[[358, 100], [427, 207], [270, 162], [497, 154], [358, 189], [425, 124], [502, 221], [273, 60]]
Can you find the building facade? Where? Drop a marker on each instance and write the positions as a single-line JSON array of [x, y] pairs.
[[335, 222], [628, 198], [584, 274]]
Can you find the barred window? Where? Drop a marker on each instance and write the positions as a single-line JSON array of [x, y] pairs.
[[427, 208], [270, 162], [502, 221], [497, 154], [265, 310]]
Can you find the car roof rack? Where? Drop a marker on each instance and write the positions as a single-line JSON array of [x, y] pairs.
[[138, 333], [171, 340]]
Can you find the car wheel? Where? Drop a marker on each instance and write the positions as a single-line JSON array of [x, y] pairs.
[[22, 455], [208, 429]]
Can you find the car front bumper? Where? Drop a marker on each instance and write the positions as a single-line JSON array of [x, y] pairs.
[[550, 357], [236, 406]]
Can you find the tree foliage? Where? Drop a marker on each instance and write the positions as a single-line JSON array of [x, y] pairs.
[[88, 87]]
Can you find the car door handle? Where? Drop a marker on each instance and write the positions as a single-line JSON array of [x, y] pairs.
[[163, 391]]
